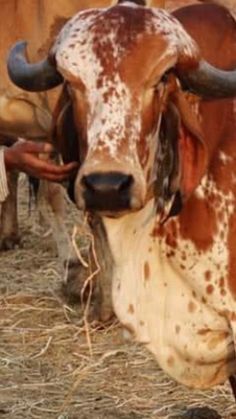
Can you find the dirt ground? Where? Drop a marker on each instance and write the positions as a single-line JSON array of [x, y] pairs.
[[53, 365]]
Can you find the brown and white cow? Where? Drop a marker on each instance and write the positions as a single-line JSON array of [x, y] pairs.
[[153, 127]]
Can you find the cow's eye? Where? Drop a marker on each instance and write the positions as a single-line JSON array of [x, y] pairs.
[[164, 77], [163, 80]]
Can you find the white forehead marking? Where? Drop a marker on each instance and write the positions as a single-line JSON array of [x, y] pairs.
[[90, 48]]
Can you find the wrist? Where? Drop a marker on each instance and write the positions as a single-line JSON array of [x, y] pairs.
[[8, 159]]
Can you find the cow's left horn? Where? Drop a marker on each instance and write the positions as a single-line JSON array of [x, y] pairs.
[[208, 81], [32, 77]]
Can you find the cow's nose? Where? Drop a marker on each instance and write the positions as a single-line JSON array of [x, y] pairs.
[[107, 191], [106, 183]]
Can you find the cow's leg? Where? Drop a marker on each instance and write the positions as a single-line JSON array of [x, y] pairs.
[[51, 207], [90, 272], [9, 236]]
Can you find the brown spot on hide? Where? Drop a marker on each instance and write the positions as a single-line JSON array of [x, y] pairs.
[[177, 329], [222, 235], [170, 254], [233, 316], [222, 282], [171, 361], [203, 332], [208, 275], [131, 309], [210, 289], [192, 307], [198, 223], [223, 292], [146, 271]]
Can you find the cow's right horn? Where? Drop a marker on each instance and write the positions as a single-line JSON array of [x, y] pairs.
[[32, 77], [208, 81]]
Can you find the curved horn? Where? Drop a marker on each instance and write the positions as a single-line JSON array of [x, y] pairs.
[[208, 81], [32, 77]]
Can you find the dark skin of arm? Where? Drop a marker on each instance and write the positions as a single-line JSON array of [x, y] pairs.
[[25, 157]]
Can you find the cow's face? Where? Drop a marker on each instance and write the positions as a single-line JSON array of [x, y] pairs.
[[114, 61]]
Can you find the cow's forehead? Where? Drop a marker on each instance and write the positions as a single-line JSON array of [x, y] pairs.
[[100, 38], [92, 48]]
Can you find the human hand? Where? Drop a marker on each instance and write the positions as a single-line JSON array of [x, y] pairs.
[[24, 156]]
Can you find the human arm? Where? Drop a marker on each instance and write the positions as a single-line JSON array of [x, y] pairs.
[[25, 156]]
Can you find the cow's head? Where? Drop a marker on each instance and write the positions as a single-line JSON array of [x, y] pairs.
[[123, 112]]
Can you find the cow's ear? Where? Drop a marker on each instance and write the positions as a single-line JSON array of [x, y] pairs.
[[192, 159], [64, 134], [183, 148], [192, 150]]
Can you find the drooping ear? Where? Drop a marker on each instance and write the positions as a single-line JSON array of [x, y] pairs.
[[192, 150], [64, 135], [182, 153]]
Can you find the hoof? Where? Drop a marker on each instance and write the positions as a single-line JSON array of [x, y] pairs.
[[10, 243], [201, 413]]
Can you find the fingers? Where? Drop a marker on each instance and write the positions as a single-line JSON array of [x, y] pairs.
[[34, 148], [24, 156], [60, 172], [47, 170]]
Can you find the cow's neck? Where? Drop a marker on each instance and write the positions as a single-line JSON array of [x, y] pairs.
[[162, 303]]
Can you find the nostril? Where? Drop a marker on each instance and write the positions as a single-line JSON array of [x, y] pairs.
[[87, 181], [126, 183], [107, 182]]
